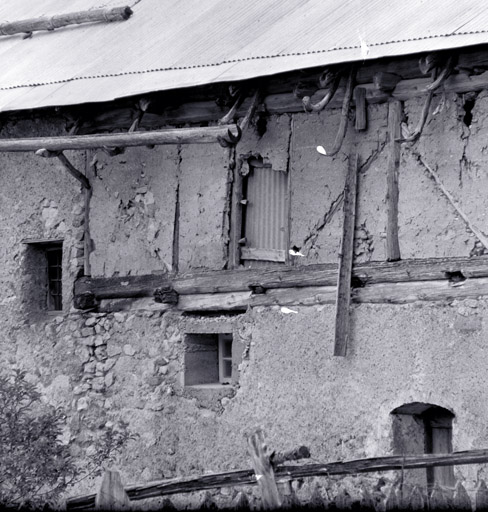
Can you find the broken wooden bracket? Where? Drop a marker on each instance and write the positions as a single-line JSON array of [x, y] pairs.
[[439, 76], [329, 80], [251, 110], [229, 117], [165, 296], [341, 132], [472, 227], [67, 165], [63, 20], [302, 452], [141, 107], [385, 82], [343, 298]]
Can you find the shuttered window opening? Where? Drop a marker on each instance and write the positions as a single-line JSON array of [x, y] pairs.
[[265, 216]]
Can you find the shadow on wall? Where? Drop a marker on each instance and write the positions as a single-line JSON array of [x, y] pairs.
[[423, 428]]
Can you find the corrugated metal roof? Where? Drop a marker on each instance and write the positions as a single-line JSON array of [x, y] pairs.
[[167, 45]]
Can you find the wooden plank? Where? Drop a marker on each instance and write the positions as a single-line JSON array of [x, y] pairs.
[[313, 277], [251, 253], [264, 472], [346, 256], [285, 473], [394, 130], [361, 122], [380, 293], [122, 287], [63, 20], [200, 135], [111, 495]]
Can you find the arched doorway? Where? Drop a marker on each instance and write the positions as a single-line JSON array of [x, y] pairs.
[[424, 428]]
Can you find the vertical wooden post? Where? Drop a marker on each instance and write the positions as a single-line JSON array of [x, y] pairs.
[[394, 130], [361, 109], [264, 471], [112, 495], [343, 300]]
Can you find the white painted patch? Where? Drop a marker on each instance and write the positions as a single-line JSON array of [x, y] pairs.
[[288, 311]]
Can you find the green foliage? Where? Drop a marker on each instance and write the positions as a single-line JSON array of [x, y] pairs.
[[35, 466]]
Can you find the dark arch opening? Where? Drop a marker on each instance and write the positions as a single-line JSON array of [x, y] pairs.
[[424, 428]]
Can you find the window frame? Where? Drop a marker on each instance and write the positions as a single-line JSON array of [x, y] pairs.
[[246, 165]]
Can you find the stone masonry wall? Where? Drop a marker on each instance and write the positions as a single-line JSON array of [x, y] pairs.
[[102, 368]]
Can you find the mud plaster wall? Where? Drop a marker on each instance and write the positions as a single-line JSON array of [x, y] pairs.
[[102, 368]]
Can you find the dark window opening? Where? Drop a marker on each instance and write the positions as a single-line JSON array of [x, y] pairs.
[[208, 359], [424, 428], [43, 275]]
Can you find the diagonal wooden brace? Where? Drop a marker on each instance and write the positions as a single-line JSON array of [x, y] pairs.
[[46, 153]]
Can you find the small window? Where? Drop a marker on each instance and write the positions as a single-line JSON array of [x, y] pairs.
[[43, 274], [208, 359], [424, 428], [264, 214]]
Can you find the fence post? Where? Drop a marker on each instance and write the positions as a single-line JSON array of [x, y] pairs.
[[111, 495], [461, 500], [264, 471]]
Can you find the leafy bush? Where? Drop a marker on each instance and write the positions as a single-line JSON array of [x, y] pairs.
[[35, 466]]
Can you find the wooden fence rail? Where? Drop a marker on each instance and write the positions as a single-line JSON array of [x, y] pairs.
[[286, 473]]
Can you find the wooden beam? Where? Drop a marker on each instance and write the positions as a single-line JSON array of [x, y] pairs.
[[313, 276], [63, 20], [277, 103], [361, 109], [472, 227], [204, 135], [380, 293], [395, 112], [285, 473], [386, 82], [345, 260]]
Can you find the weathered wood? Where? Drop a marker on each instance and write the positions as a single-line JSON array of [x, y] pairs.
[[473, 228], [200, 135], [111, 495], [251, 253], [63, 20], [438, 499], [394, 130], [165, 296], [284, 473], [361, 109], [344, 285], [66, 164], [264, 472], [122, 287], [326, 275], [461, 499], [406, 280], [416, 499], [481, 496], [385, 81]]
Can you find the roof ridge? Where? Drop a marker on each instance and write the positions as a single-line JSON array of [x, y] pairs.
[[231, 61]]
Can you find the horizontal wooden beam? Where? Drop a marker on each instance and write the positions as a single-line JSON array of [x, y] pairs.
[[63, 20], [446, 271], [200, 135], [287, 473], [277, 103], [379, 293]]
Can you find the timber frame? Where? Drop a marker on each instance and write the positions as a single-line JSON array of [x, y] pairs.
[[394, 281]]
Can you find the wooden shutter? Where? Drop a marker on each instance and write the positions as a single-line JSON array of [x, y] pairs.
[[266, 216], [439, 440]]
